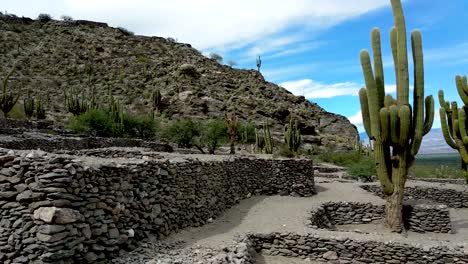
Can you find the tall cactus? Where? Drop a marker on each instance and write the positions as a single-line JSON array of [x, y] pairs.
[[269, 144], [292, 136], [156, 100], [453, 121], [396, 127]]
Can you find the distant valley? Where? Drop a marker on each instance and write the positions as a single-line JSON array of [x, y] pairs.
[[433, 142]]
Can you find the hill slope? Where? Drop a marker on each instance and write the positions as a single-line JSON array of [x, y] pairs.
[[55, 56]]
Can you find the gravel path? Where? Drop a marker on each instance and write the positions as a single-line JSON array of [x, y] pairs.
[[266, 214]]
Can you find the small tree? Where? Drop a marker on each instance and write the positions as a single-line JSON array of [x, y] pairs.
[[183, 132], [7, 99], [44, 18], [216, 57], [214, 132], [67, 18]]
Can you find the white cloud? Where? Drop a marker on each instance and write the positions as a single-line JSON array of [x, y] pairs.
[[357, 121], [206, 24], [311, 89]]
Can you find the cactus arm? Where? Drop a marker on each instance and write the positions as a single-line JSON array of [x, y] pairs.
[[385, 125], [445, 128], [418, 93], [378, 65], [394, 127], [405, 125], [442, 101], [429, 116], [381, 161], [462, 124], [365, 111], [388, 101], [393, 44], [462, 150], [454, 114], [461, 87], [372, 95], [402, 53]]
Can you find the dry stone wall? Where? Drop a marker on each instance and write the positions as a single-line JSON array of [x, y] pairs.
[[56, 209], [417, 216], [450, 197], [351, 251]]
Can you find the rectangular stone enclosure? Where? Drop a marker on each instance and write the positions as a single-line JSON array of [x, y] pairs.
[[55, 209]]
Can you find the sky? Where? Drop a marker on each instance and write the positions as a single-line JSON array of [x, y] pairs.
[[310, 47]]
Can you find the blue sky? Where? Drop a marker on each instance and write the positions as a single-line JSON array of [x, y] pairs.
[[310, 47]]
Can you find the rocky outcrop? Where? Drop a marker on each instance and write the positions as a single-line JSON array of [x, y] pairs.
[[52, 57]]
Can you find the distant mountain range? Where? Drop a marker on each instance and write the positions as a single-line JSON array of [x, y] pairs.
[[433, 142]]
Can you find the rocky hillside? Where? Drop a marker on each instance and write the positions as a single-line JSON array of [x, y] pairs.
[[56, 56]]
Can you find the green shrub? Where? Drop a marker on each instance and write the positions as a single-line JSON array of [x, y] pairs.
[[182, 132], [213, 133], [40, 110], [139, 126], [67, 18], [125, 31], [246, 133], [340, 158], [364, 168], [284, 151], [103, 123], [189, 70], [216, 57], [94, 122]]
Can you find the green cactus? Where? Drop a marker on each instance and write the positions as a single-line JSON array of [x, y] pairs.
[[156, 100], [259, 63], [292, 136], [7, 100], [28, 105], [259, 141], [453, 121], [269, 144], [76, 103], [40, 110], [395, 127]]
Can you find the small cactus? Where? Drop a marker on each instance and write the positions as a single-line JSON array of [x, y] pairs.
[[259, 63], [40, 110], [259, 141], [269, 144], [292, 136], [76, 103], [7, 100], [156, 100], [28, 104]]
